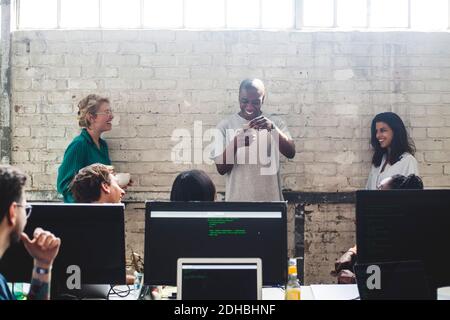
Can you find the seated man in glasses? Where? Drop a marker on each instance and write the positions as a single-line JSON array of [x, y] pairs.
[[44, 246]]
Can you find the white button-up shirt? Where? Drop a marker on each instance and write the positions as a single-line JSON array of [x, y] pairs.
[[405, 166]]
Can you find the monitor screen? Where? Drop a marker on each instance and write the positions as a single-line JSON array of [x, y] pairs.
[[214, 230], [92, 239], [218, 281], [405, 225]]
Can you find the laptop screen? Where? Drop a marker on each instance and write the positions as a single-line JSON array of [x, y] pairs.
[[219, 281]]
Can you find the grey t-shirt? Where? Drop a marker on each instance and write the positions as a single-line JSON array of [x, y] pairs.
[[256, 171]]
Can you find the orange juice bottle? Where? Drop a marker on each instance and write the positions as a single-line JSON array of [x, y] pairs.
[[293, 285]]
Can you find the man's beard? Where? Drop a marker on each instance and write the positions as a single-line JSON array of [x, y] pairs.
[[14, 238]]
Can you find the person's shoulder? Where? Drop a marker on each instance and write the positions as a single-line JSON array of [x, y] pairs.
[[228, 122], [77, 144], [5, 293], [78, 140], [408, 157], [3, 284]]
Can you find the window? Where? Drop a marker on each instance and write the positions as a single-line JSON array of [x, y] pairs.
[[233, 14], [79, 13], [205, 13], [163, 14], [243, 14], [389, 13], [318, 13], [277, 14], [120, 13], [40, 14], [427, 16], [352, 13]]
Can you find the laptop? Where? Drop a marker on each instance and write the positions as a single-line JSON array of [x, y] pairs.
[[219, 279]]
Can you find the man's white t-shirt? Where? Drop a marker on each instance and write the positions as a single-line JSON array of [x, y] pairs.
[[256, 171]]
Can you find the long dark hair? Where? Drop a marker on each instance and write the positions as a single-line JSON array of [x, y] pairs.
[[401, 142], [193, 185]]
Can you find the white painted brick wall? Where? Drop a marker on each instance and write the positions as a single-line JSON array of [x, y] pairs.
[[328, 86]]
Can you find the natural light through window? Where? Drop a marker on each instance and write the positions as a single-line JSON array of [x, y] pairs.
[[38, 14], [163, 14], [79, 13], [277, 14], [243, 14], [426, 14], [389, 13], [352, 13], [121, 14], [318, 13], [205, 13]]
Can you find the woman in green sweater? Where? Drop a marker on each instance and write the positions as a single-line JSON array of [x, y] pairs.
[[94, 117]]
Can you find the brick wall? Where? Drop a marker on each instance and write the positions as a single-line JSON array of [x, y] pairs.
[[326, 85], [329, 232]]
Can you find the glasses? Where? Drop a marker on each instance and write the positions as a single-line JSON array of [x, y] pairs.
[[106, 113], [28, 208]]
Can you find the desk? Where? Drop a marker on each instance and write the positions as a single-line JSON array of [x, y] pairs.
[[335, 292]]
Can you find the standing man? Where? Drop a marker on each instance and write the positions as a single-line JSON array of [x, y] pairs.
[[247, 152]]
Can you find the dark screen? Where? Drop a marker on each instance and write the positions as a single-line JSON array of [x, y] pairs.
[[172, 237], [225, 282], [403, 225], [92, 237]]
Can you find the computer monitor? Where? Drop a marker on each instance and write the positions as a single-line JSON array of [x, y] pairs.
[[92, 238], [176, 230], [219, 279], [405, 225], [402, 280]]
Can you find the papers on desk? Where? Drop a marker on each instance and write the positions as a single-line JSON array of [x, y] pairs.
[[335, 291], [273, 293]]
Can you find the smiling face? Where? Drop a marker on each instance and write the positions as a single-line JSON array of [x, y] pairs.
[[101, 121], [114, 193], [250, 101], [384, 134]]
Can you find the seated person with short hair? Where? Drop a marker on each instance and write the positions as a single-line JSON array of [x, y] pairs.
[[344, 265], [44, 247], [96, 184]]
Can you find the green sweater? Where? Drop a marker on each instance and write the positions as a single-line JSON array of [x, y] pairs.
[[81, 152]]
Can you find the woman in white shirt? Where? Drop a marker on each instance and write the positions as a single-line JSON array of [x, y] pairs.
[[393, 150]]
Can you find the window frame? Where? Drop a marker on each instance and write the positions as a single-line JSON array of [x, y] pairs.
[[298, 20]]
